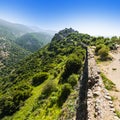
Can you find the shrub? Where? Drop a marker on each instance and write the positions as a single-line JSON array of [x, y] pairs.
[[48, 89], [98, 47], [72, 80], [53, 100], [39, 78], [9, 104], [109, 85], [118, 113], [103, 52], [73, 65], [65, 92]]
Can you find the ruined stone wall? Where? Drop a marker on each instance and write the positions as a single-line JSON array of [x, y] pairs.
[[94, 100], [81, 113]]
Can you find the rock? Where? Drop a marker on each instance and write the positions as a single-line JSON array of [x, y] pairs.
[[96, 93], [89, 95], [112, 109], [97, 76], [108, 97], [110, 102], [111, 105], [98, 71], [116, 118]]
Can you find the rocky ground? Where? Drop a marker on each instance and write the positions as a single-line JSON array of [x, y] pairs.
[[99, 102], [112, 71]]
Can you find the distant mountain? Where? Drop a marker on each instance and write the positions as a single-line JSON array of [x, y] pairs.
[[10, 54], [8, 29], [17, 42], [37, 29], [33, 41]]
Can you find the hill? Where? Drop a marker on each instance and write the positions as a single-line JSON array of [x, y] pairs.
[[33, 41], [41, 84], [44, 85], [10, 54], [12, 30], [14, 48]]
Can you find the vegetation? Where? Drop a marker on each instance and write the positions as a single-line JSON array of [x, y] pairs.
[[48, 89], [42, 85], [11, 30], [42, 72], [65, 92], [39, 78], [118, 113], [109, 85], [10, 54], [72, 80], [102, 51], [73, 65], [33, 41]]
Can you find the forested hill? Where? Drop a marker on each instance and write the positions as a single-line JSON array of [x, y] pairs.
[[44, 80], [17, 42], [8, 29], [33, 41], [10, 54], [43, 86]]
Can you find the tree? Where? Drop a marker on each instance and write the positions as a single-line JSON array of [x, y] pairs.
[[73, 65]]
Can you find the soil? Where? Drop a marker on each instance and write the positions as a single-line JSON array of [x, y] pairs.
[[112, 71]]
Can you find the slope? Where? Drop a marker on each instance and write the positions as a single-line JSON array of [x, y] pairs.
[[10, 54], [33, 41], [12, 29], [42, 83]]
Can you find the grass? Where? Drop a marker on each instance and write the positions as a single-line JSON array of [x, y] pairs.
[[109, 85], [69, 108], [35, 109], [41, 111], [113, 98], [118, 113]]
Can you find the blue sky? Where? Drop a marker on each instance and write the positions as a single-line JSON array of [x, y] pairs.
[[95, 17]]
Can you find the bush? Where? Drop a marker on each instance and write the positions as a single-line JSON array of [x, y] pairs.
[[10, 103], [73, 65], [109, 85], [39, 78], [72, 80], [47, 90], [118, 113], [98, 47], [103, 52], [65, 92]]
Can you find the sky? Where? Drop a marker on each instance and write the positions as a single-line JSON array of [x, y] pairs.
[[94, 17]]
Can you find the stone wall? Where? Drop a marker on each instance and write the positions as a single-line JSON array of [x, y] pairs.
[[82, 113], [94, 101]]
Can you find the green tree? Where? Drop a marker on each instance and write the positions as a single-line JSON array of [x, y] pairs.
[[73, 65]]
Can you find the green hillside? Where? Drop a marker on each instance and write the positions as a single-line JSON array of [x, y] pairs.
[[33, 41], [10, 50], [40, 85], [43, 86], [10, 54], [8, 29]]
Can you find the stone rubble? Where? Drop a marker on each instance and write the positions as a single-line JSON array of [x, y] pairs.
[[99, 103]]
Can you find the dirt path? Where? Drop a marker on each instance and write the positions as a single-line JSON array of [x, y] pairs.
[[112, 71]]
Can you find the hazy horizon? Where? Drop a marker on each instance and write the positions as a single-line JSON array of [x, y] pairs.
[[94, 17]]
